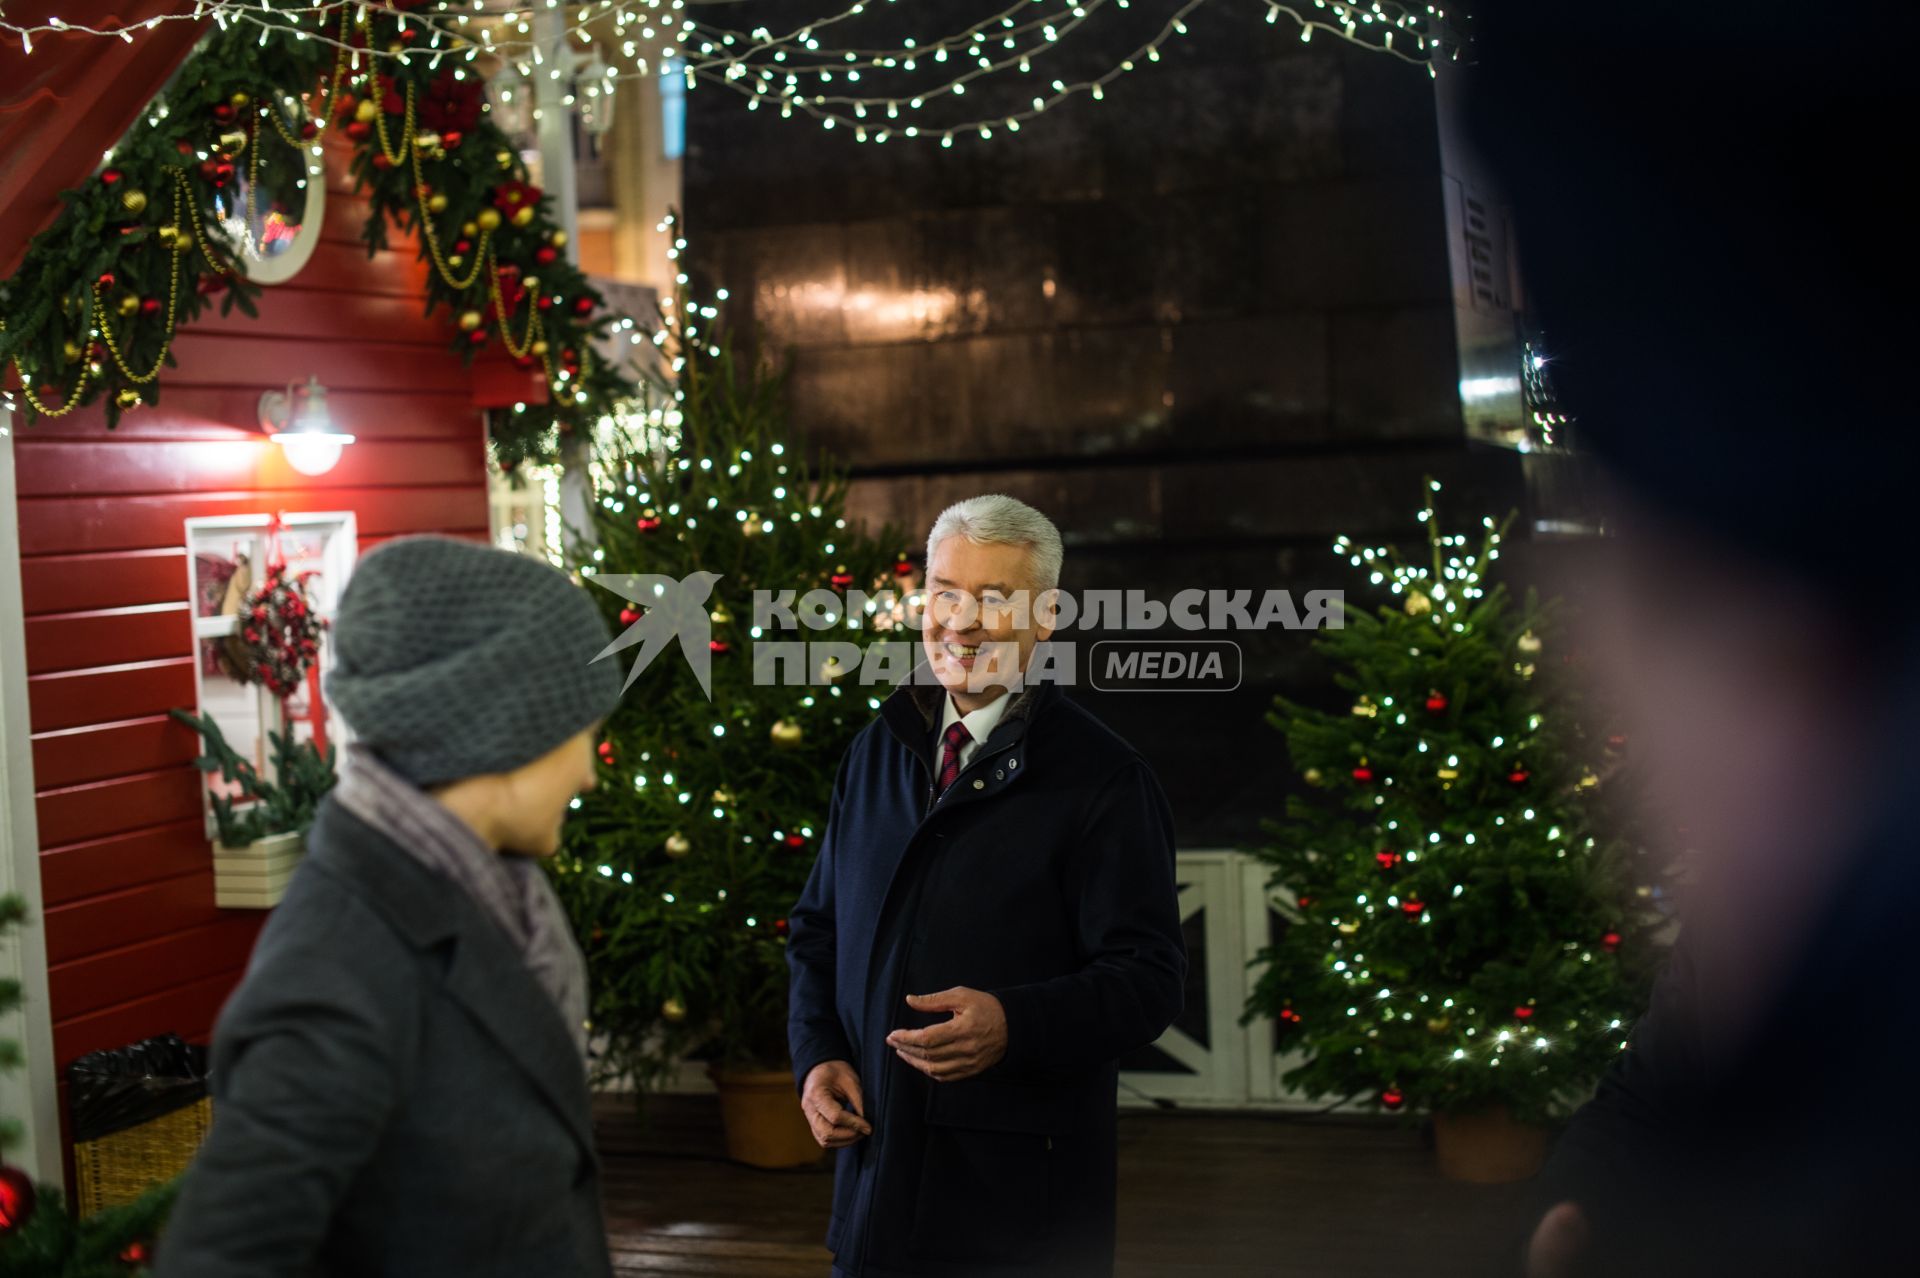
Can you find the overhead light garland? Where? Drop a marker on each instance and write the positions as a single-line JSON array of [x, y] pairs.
[[876, 89]]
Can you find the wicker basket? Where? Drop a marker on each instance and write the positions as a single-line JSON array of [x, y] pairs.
[[121, 1166]]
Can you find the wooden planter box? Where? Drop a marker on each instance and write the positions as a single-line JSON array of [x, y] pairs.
[[255, 877]]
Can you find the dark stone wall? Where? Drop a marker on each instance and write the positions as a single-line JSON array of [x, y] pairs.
[[1206, 324]]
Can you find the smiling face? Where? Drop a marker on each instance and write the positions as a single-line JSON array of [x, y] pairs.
[[982, 618]]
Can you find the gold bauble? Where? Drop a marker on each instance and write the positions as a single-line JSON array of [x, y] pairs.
[[134, 202], [469, 230], [456, 261], [128, 398], [168, 234], [720, 615], [1348, 929], [1418, 604], [489, 219], [723, 796], [1365, 708], [71, 350], [1312, 776], [1525, 672], [678, 845], [558, 239], [523, 215], [531, 283], [831, 669], [130, 305], [539, 347], [504, 159], [673, 1011], [233, 143], [470, 320], [436, 204], [1528, 643], [366, 111], [1439, 1024], [240, 101], [1589, 781], [183, 243], [787, 734], [1449, 774]]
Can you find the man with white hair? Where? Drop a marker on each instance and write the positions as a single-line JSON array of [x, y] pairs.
[[991, 924]]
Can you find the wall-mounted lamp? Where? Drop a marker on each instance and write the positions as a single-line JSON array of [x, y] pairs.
[[298, 421]]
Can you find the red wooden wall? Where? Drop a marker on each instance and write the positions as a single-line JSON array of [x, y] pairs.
[[135, 944]]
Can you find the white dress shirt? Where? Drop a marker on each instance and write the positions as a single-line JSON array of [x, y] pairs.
[[980, 723]]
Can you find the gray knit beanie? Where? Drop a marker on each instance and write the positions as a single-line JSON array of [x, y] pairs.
[[453, 659]]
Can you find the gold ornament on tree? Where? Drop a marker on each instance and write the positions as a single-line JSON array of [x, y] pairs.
[[678, 845], [489, 219], [134, 202], [1528, 644], [787, 734], [1418, 605], [673, 1011]]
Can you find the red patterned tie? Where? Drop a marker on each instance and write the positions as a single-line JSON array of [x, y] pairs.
[[956, 737]]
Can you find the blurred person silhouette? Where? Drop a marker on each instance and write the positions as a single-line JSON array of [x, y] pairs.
[[1710, 205], [399, 1082]]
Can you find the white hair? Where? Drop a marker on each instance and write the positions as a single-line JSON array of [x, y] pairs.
[[997, 519]]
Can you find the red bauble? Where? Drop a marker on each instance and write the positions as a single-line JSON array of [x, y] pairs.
[[359, 130], [628, 616], [1290, 1016], [583, 306], [17, 1197], [545, 303], [223, 112], [1523, 1013], [183, 146], [1303, 901], [1392, 1098], [1518, 776], [450, 139], [136, 1253], [1610, 942], [462, 246], [780, 926], [1437, 703], [1363, 774], [106, 279], [903, 569], [478, 337], [309, 129], [841, 580], [646, 523], [606, 752], [109, 176], [544, 255], [150, 306], [796, 841], [1387, 858], [720, 646], [380, 161], [1413, 907]]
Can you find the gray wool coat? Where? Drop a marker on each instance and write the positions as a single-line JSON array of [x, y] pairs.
[[394, 1094]]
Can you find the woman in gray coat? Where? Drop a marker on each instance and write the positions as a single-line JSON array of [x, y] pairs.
[[399, 1082]]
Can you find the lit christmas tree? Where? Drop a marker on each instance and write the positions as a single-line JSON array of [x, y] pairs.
[[679, 869], [1465, 931]]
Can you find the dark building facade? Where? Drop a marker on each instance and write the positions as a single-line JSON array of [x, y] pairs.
[[1241, 305]]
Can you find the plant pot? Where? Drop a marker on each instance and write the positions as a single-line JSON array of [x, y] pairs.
[[1487, 1147], [761, 1111], [255, 877]]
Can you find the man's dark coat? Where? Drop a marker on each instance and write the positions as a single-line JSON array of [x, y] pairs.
[[1045, 876]]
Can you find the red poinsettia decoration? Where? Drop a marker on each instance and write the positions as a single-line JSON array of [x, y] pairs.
[[452, 106], [510, 197], [281, 632]]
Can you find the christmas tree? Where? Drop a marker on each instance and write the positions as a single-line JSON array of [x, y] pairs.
[[679, 869], [39, 1237], [1464, 929]]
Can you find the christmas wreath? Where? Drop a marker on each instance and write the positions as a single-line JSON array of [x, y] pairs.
[[279, 637]]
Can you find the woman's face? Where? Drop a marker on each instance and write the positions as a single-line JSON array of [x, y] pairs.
[[534, 799]]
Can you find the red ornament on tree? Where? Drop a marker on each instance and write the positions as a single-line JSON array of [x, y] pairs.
[[1392, 1098], [106, 279], [544, 255], [606, 753], [1412, 908], [903, 569], [646, 523], [136, 1254], [150, 306], [109, 176], [1524, 1013], [17, 1198], [780, 926], [1610, 942], [1518, 776], [720, 646], [223, 113], [841, 580], [628, 616], [583, 306], [1363, 774], [795, 841], [1437, 703], [1387, 858], [478, 337]]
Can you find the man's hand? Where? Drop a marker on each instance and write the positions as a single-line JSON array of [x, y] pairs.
[[1557, 1242], [972, 1041], [832, 1103]]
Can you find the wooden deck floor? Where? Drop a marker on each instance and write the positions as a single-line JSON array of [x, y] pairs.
[[1201, 1196]]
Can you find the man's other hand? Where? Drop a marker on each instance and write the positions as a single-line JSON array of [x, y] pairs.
[[969, 1042], [832, 1102]]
